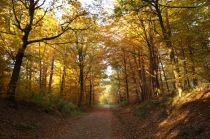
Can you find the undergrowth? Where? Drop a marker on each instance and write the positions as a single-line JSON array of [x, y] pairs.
[[168, 104], [143, 110], [162, 103], [25, 126], [190, 129], [56, 103]]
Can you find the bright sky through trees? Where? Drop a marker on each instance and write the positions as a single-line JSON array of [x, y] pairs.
[[107, 4]]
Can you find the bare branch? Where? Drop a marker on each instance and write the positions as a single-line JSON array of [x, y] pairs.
[[150, 12], [18, 24], [40, 19], [78, 29], [171, 6], [48, 38], [24, 3], [58, 43], [61, 33], [51, 45], [37, 7], [36, 2], [74, 18], [7, 50], [9, 33]]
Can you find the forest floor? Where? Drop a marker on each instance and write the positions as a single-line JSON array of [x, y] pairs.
[[191, 119]]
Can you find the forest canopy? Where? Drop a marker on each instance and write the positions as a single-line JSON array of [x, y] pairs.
[[64, 48]]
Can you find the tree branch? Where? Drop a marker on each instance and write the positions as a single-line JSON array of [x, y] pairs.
[[40, 19], [48, 38], [58, 43], [63, 30], [37, 7], [188, 7], [18, 24], [9, 33], [24, 3]]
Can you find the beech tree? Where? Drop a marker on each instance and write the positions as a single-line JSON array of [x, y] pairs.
[[26, 20], [154, 47]]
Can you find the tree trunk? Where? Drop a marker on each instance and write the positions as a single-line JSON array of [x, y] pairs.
[[161, 83], [142, 77], [164, 74], [125, 75], [167, 39], [186, 79], [134, 80], [15, 74], [90, 92], [63, 78], [190, 49], [28, 75], [144, 81], [81, 76], [119, 86], [139, 77], [40, 69], [93, 93], [51, 74], [16, 70]]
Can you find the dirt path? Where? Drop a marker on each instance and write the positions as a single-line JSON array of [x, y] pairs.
[[99, 124], [191, 121]]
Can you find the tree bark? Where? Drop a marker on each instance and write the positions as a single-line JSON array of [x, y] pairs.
[[190, 49], [153, 62], [81, 76], [51, 74], [63, 80], [16, 70], [119, 86], [186, 79], [125, 75], [15, 74], [134, 80], [40, 69], [164, 73], [90, 92], [167, 39], [142, 77]]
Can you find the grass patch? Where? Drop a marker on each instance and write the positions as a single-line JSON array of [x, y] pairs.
[[143, 110], [56, 103], [190, 130], [25, 126], [164, 103], [123, 103]]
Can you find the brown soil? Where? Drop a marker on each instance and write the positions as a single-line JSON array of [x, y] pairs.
[[191, 120], [27, 121]]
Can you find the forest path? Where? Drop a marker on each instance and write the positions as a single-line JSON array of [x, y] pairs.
[[100, 123], [189, 120]]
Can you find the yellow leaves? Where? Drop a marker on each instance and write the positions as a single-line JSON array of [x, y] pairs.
[[76, 4]]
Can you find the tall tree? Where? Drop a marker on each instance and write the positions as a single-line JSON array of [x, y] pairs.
[[26, 27]]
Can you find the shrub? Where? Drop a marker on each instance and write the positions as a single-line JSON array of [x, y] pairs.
[[56, 103], [38, 98], [123, 103], [190, 129], [25, 126], [144, 109]]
